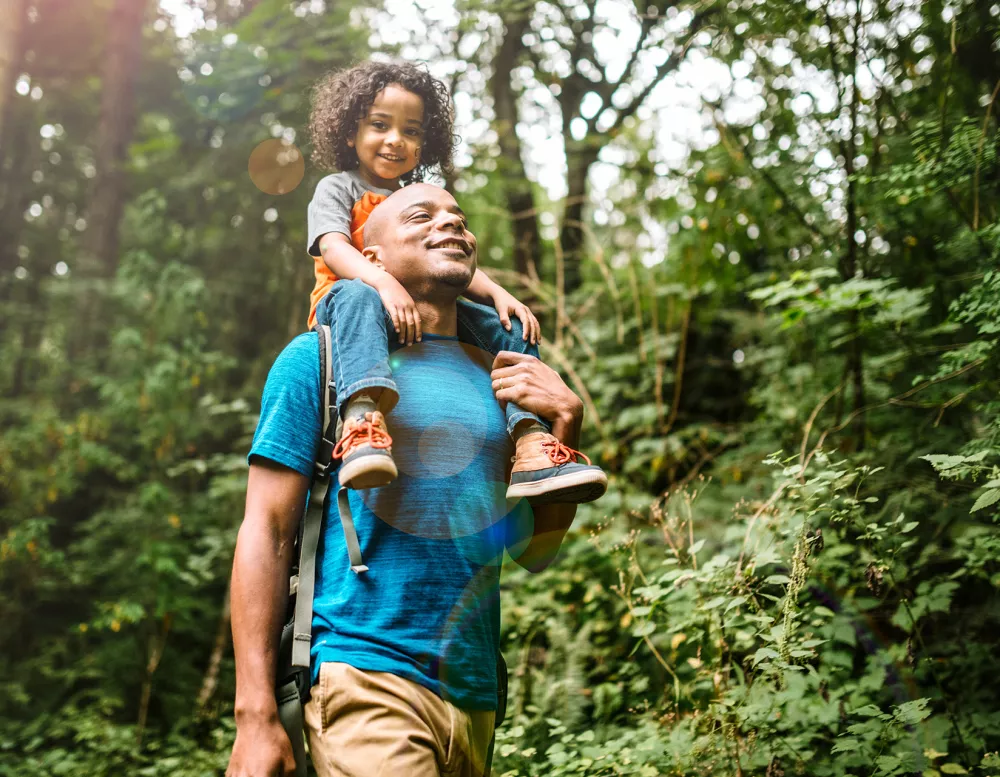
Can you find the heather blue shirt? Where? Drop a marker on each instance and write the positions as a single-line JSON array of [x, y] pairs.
[[428, 608]]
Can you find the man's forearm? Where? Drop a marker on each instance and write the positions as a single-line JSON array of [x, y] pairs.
[[566, 423], [551, 522], [259, 595]]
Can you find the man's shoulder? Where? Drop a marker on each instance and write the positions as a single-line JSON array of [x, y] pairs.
[[298, 361], [304, 347], [290, 415]]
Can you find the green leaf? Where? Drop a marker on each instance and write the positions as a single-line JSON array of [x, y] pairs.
[[987, 498], [912, 712], [693, 550], [765, 653], [777, 580], [952, 769]]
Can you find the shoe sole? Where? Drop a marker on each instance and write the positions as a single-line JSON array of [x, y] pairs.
[[572, 488], [368, 472]]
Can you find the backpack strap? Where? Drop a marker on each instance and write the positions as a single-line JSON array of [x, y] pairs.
[[312, 520], [316, 506]]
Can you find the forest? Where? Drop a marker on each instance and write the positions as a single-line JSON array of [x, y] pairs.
[[762, 237]]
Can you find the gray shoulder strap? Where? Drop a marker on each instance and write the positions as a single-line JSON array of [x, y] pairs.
[[319, 494]]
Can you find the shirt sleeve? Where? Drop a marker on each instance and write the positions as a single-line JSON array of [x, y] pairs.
[[330, 210], [289, 430]]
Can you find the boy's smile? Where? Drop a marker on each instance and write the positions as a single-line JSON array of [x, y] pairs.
[[389, 137]]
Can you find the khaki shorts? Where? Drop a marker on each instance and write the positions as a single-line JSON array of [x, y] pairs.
[[375, 724]]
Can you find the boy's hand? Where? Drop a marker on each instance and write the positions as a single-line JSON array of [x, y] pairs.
[[401, 307], [506, 303]]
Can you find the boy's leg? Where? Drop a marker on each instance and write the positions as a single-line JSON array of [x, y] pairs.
[[363, 381], [545, 470], [479, 325], [375, 724]]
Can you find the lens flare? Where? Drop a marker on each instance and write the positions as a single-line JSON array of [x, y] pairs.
[[276, 167]]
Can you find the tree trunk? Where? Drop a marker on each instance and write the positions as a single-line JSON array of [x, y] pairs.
[[579, 158], [15, 169], [517, 187], [211, 679], [115, 130], [12, 166], [850, 263], [12, 16]]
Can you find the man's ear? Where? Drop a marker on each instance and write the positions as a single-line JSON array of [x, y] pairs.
[[374, 255]]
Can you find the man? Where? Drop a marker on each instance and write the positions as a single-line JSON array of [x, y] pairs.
[[403, 654]]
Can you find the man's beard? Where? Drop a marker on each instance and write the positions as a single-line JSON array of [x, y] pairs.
[[455, 276]]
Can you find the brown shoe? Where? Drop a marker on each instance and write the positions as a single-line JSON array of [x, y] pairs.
[[546, 471], [365, 450]]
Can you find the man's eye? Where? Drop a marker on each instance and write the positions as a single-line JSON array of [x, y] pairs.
[[421, 215]]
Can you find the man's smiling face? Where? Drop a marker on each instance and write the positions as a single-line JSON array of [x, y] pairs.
[[425, 241]]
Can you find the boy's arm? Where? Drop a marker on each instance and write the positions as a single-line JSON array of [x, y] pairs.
[[345, 261], [537, 387], [259, 592], [486, 291], [483, 288]]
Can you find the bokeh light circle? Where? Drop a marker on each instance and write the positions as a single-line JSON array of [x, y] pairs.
[[276, 167]]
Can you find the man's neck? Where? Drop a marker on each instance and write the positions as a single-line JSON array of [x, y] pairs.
[[438, 319]]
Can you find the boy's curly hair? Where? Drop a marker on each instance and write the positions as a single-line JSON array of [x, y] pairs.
[[342, 98]]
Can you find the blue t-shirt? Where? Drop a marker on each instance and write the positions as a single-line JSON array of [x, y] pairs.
[[428, 608]]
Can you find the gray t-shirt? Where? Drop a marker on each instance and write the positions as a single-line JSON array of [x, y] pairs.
[[331, 205]]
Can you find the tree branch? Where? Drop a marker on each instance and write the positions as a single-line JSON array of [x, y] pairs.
[[671, 64]]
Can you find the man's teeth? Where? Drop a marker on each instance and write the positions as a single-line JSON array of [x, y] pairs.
[[452, 244]]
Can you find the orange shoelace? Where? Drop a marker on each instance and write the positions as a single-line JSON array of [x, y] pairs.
[[370, 431], [561, 454]]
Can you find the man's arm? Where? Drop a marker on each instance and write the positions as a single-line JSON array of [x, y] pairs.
[[538, 388], [275, 500]]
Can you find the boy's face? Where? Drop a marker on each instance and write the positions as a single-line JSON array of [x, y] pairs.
[[388, 139]]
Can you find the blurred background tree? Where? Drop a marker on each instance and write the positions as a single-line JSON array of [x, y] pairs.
[[763, 239]]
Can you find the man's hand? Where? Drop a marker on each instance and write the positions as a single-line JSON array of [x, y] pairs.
[[401, 307], [538, 388], [507, 304], [261, 749]]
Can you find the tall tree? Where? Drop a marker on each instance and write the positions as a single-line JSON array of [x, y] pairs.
[[12, 51], [114, 133], [517, 187], [12, 17], [564, 55]]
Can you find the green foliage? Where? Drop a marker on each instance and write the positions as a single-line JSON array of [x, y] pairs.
[[796, 569]]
